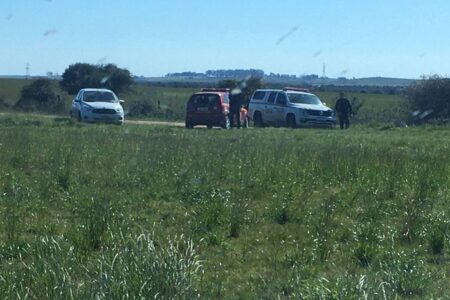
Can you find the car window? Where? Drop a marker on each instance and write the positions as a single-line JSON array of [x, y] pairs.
[[205, 99], [99, 96], [226, 99], [259, 95], [303, 98], [272, 97], [281, 99]]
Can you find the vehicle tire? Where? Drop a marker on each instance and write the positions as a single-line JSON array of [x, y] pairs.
[[209, 126], [257, 119], [189, 125], [226, 123], [290, 121], [79, 119]]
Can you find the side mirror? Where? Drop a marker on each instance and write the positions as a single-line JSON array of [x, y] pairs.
[[77, 100], [122, 101]]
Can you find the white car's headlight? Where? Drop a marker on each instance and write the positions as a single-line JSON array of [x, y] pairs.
[[87, 108]]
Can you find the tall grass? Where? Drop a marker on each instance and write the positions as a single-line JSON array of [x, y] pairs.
[[94, 211]]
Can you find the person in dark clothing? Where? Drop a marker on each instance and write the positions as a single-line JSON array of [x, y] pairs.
[[344, 110], [236, 102]]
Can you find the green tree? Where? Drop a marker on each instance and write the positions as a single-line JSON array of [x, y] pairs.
[[82, 75], [250, 85], [246, 86], [78, 76], [430, 97], [227, 84], [114, 78]]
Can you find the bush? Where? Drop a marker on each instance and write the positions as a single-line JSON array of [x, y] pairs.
[[39, 95], [430, 98], [3, 104], [141, 108]]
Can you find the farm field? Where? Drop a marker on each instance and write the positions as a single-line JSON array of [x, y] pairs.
[[97, 211], [142, 102]]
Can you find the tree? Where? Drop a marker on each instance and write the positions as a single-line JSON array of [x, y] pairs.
[[245, 87], [227, 84], [116, 79], [250, 85], [82, 75], [39, 95], [430, 98], [79, 76]]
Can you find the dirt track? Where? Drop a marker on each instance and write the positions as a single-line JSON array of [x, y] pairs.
[[138, 122], [142, 122]]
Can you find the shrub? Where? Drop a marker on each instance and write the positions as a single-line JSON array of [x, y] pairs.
[[141, 108], [3, 104], [40, 96], [430, 98]]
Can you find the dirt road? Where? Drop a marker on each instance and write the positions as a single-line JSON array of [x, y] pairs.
[[164, 123], [138, 122]]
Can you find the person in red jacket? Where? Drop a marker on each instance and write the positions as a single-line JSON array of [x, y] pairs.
[[343, 109]]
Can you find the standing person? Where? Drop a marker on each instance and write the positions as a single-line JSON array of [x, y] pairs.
[[344, 110], [235, 109]]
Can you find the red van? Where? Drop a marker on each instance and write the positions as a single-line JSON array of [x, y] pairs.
[[209, 107]]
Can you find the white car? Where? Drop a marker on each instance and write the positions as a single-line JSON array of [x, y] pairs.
[[290, 107], [97, 105]]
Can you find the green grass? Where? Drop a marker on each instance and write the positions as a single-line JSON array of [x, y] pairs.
[[136, 211], [10, 89]]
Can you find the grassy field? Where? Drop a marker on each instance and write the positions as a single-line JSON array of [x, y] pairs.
[[142, 102], [107, 212]]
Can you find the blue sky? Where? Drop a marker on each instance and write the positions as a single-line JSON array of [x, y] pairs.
[[153, 37]]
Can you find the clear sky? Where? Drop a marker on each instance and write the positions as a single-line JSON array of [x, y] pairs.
[[354, 38]]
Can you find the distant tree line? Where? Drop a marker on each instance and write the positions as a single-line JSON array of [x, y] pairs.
[[237, 73], [186, 74]]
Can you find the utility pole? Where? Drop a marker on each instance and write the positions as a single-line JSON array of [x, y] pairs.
[[27, 68]]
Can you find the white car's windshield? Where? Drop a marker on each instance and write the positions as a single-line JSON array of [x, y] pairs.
[[99, 96], [303, 98]]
